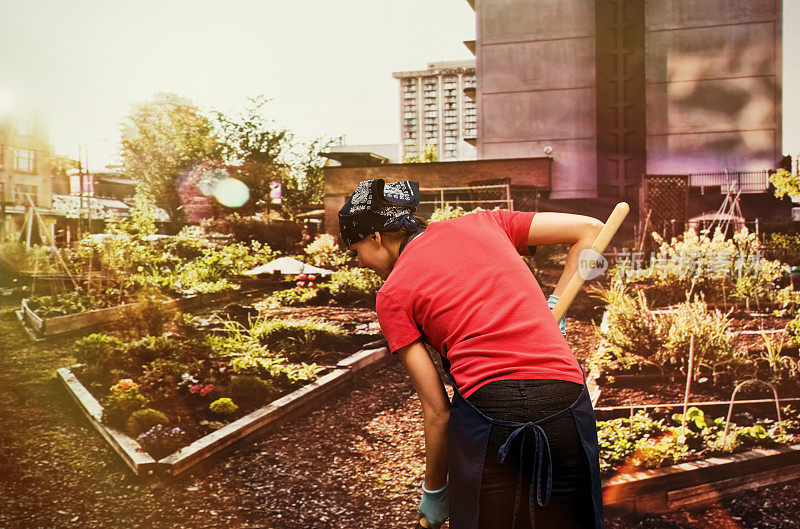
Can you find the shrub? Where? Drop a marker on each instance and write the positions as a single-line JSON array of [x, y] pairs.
[[280, 235], [118, 406], [250, 389], [350, 285], [324, 251], [142, 420], [714, 346], [783, 247], [149, 317], [297, 338], [145, 350], [161, 377], [292, 297], [634, 334], [223, 406], [94, 349]]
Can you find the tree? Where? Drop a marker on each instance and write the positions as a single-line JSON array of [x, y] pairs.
[[160, 143], [255, 150], [304, 183], [260, 152]]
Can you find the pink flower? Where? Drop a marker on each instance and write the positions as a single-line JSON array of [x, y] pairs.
[[195, 388], [206, 390]]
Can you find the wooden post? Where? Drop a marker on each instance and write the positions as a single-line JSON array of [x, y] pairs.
[[688, 385]]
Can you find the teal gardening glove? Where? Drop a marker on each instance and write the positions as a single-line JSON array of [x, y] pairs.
[[551, 302], [434, 506]]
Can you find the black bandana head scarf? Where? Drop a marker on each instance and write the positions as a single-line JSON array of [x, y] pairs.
[[363, 213]]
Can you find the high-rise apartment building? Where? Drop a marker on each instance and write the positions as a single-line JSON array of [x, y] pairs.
[[437, 109]]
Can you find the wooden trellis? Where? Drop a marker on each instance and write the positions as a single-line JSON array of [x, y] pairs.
[[666, 198]]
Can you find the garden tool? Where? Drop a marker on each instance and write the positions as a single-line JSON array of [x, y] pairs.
[[599, 245], [575, 283]]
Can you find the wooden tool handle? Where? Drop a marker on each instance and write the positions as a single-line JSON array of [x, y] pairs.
[[600, 243]]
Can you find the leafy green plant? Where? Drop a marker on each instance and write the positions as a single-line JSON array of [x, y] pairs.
[[223, 406], [251, 390], [119, 405], [349, 285], [147, 349], [297, 338], [785, 183], [714, 346], [324, 251], [780, 365], [142, 420], [303, 372], [447, 212], [292, 297], [162, 376], [634, 334], [96, 348], [619, 439]]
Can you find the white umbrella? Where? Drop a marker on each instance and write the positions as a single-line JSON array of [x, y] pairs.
[[289, 266]]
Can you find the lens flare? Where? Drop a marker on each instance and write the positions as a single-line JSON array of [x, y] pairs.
[[231, 192]]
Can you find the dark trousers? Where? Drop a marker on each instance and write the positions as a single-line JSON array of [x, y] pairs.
[[531, 400]]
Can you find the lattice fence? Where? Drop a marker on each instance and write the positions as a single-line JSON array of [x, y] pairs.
[[666, 198]]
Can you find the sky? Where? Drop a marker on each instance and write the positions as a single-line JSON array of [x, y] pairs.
[[327, 65]]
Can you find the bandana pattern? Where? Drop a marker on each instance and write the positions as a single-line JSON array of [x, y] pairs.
[[363, 214]]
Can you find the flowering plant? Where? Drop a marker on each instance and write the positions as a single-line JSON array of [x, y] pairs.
[[200, 389], [161, 440], [122, 385]]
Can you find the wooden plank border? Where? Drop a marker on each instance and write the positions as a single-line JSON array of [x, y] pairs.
[[47, 327], [699, 483], [259, 421], [126, 447]]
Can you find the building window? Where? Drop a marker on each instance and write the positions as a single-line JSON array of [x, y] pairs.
[[24, 160], [24, 126], [20, 192]]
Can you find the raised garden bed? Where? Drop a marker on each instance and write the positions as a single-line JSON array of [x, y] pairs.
[[38, 327], [702, 482], [259, 421]]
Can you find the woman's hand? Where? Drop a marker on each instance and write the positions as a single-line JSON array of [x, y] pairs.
[[434, 506]]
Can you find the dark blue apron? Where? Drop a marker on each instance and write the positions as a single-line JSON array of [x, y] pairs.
[[468, 437]]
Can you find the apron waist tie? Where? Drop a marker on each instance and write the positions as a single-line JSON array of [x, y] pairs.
[[541, 464]]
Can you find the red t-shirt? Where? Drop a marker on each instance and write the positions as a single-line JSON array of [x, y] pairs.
[[462, 286]]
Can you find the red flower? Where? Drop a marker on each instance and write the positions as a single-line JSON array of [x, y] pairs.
[[206, 390], [195, 388]]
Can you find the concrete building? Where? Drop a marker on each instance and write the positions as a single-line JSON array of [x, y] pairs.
[[25, 170], [437, 108], [616, 89]]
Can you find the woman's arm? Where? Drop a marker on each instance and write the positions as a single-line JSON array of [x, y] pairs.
[[435, 410], [579, 231]]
